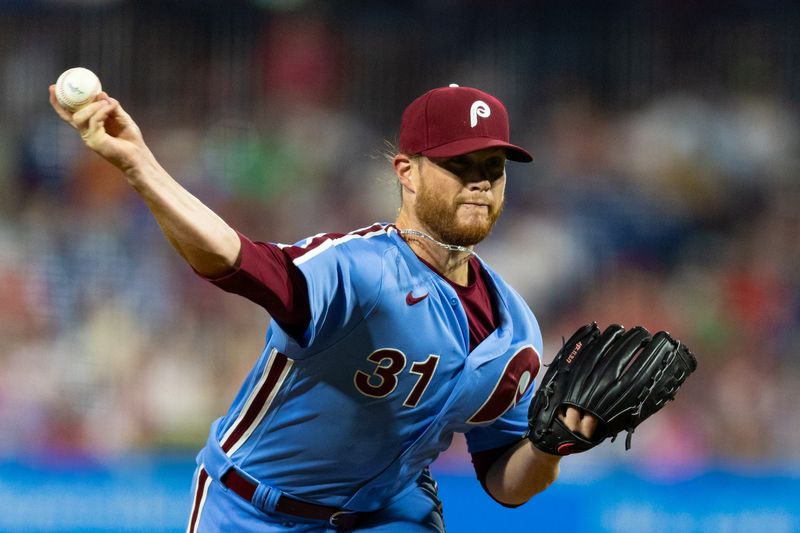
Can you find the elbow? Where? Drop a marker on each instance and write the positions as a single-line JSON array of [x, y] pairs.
[[212, 269], [514, 496], [545, 481], [214, 260]]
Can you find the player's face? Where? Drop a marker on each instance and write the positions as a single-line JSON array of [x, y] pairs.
[[460, 198]]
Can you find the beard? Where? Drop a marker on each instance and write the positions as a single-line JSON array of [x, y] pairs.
[[440, 217]]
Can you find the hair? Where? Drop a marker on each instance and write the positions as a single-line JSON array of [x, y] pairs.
[[390, 149]]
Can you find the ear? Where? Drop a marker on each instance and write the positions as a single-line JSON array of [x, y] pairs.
[[404, 169]]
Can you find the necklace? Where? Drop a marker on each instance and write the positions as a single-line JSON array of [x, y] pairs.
[[450, 247]]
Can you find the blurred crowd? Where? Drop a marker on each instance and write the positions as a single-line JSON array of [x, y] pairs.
[[675, 211]]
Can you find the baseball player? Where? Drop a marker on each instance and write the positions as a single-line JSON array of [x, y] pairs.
[[383, 343]]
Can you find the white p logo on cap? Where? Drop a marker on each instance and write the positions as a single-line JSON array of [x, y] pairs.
[[436, 124], [479, 108]]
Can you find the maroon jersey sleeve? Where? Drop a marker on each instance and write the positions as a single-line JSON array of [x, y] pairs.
[[268, 277], [483, 461]]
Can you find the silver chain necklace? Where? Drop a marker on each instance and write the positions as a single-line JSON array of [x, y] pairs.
[[450, 247]]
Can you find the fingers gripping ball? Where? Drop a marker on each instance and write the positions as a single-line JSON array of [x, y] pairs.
[[77, 87], [620, 377]]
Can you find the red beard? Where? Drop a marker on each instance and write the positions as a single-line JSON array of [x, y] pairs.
[[439, 216]]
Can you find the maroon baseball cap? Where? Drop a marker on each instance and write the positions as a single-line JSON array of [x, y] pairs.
[[451, 121]]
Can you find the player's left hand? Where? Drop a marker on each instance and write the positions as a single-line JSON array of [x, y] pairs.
[[602, 383], [578, 421]]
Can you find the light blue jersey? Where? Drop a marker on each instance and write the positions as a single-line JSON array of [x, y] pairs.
[[352, 413]]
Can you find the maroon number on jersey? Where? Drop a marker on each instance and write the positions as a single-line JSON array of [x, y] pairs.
[[383, 380]]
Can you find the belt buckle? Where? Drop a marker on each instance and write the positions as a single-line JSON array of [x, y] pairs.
[[341, 519]]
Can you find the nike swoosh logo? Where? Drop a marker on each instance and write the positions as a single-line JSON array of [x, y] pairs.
[[413, 300]]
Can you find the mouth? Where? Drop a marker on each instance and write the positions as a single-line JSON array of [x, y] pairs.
[[474, 205]]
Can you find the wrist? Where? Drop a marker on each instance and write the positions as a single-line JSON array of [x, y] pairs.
[[544, 457], [140, 169]]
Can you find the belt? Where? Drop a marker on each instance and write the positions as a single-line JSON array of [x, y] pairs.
[[337, 518]]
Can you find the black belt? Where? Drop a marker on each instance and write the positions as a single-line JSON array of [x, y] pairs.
[[337, 518]]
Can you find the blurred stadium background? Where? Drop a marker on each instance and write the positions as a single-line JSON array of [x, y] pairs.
[[665, 192]]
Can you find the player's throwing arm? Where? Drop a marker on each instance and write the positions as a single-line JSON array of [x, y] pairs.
[[204, 240]]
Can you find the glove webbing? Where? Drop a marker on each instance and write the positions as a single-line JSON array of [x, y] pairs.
[[645, 393]]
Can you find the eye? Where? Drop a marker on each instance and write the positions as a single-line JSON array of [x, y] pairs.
[[456, 165], [495, 166], [458, 162], [495, 162]]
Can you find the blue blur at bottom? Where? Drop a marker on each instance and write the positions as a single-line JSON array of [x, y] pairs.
[[152, 494]]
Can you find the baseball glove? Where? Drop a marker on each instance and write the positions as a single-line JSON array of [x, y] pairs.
[[621, 377]]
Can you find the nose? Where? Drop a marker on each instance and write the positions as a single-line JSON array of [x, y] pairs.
[[481, 176], [480, 183]]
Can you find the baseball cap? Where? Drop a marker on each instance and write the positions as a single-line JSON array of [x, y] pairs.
[[453, 120]]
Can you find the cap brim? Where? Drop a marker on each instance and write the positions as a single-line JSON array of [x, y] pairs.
[[466, 146]]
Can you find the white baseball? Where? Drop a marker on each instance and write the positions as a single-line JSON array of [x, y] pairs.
[[77, 87]]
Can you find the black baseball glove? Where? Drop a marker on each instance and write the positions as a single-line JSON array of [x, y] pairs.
[[621, 377]]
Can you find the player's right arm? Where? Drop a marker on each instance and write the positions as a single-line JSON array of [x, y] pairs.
[[199, 235]]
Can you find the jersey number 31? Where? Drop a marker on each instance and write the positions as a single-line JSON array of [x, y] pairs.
[[383, 380], [512, 384]]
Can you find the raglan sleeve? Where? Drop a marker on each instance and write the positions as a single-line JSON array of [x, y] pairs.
[[507, 429], [309, 289], [267, 276], [512, 424], [342, 277], [486, 444]]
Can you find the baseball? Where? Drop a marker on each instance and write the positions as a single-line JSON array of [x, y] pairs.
[[77, 87]]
